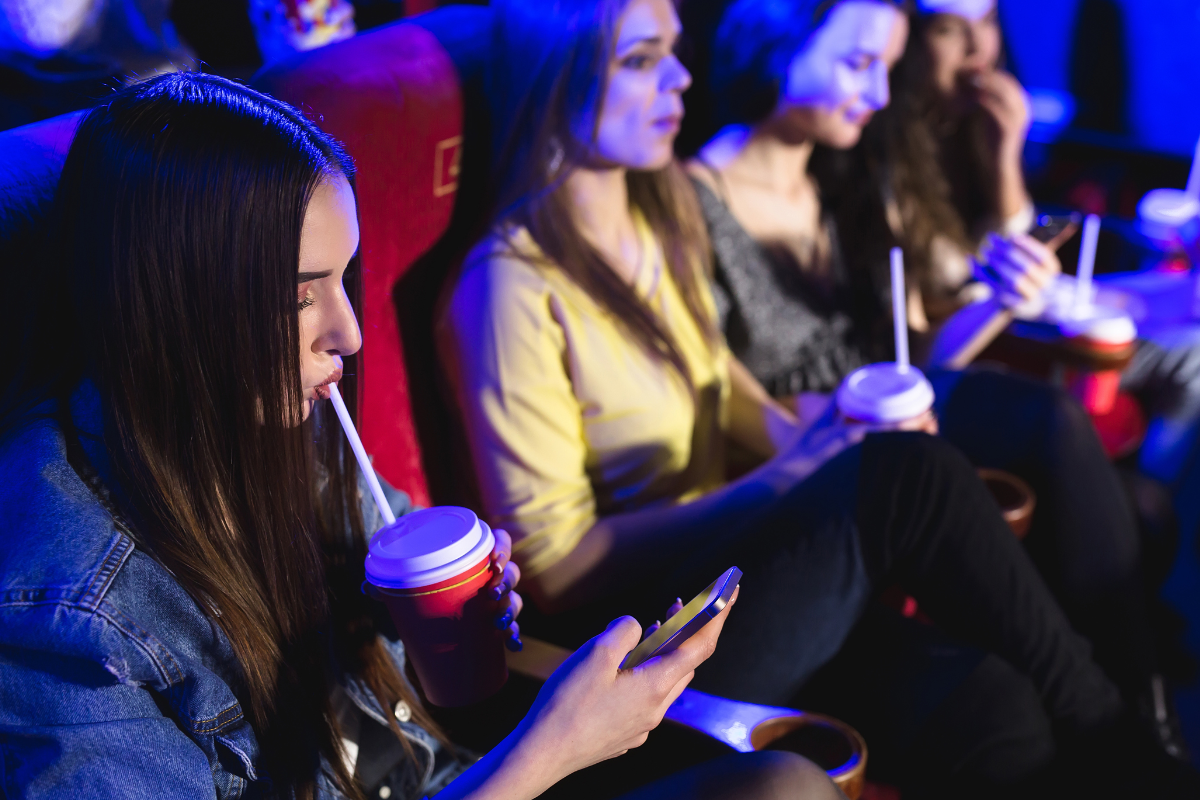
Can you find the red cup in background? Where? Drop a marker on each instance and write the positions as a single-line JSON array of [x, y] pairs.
[[431, 568], [1105, 332]]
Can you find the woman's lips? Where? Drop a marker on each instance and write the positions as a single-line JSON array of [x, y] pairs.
[[321, 390], [669, 124]]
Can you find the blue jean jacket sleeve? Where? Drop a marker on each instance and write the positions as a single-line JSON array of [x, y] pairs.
[[120, 759]]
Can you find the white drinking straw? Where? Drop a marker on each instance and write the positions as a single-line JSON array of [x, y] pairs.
[[1193, 184], [360, 453], [1087, 263], [900, 309]]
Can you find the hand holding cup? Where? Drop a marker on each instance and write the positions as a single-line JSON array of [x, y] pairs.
[[828, 436], [501, 590]]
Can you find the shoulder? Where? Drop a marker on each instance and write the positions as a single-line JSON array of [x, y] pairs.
[[505, 283], [90, 608], [703, 177], [60, 542]]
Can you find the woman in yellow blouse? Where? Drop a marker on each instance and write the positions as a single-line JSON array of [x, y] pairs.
[[598, 396]]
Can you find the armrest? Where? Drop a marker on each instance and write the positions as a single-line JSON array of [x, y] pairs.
[[745, 727]]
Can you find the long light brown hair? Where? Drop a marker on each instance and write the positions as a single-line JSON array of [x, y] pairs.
[[181, 206], [913, 149], [547, 88]]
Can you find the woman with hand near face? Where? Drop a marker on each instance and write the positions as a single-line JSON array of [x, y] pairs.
[[790, 278], [598, 397], [181, 613], [940, 173]]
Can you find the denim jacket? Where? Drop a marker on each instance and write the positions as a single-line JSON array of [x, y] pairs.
[[113, 682]]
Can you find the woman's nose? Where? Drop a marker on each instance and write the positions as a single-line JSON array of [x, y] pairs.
[[342, 335], [877, 94], [970, 42], [676, 78]]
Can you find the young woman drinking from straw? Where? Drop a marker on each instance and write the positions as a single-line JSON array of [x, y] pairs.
[[180, 604], [598, 396]]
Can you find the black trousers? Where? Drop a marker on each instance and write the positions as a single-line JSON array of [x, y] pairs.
[[900, 507], [1084, 537]]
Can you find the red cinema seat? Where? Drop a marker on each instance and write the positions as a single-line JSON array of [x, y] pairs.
[[392, 97]]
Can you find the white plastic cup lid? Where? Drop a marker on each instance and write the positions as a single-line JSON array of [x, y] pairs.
[[883, 393], [1168, 207], [1101, 324], [427, 546]]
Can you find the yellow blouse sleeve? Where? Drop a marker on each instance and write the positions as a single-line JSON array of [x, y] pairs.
[[505, 353]]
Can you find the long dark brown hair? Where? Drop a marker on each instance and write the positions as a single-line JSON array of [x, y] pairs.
[[547, 87], [912, 148], [181, 205]]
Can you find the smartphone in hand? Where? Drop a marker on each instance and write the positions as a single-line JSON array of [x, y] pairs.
[[681, 627]]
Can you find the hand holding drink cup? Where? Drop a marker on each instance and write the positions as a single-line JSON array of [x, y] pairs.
[[447, 580], [588, 711]]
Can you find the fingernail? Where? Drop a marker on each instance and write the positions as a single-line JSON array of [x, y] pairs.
[[498, 592], [514, 644], [504, 620]]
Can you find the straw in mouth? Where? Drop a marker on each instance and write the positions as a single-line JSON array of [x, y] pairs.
[[360, 453]]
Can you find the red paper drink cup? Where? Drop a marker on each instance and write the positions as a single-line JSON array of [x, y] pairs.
[[1099, 330], [886, 396], [431, 568]]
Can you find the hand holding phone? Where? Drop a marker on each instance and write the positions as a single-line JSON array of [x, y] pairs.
[[690, 619], [1053, 230], [1018, 267], [590, 709]]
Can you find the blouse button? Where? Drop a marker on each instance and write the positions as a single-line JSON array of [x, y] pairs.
[[403, 712], [385, 792]]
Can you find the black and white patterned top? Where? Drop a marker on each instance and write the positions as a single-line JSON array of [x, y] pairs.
[[792, 336]]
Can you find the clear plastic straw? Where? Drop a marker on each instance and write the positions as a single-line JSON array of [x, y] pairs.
[[1087, 263], [360, 453], [900, 309], [1193, 184]]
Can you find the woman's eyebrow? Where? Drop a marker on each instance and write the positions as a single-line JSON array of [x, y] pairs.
[[625, 45], [629, 44], [305, 277]]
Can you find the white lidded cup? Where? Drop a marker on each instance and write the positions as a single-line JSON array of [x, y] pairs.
[[1101, 331], [1100, 326], [887, 395], [431, 568]]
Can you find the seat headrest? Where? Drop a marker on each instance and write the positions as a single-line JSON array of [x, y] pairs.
[[392, 97]]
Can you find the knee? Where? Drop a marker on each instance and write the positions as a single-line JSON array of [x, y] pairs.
[[909, 453], [778, 775], [1064, 420]]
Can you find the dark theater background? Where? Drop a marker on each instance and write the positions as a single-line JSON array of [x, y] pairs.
[[1114, 87]]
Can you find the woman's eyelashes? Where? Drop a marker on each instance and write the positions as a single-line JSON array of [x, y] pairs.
[[638, 61], [307, 301], [860, 63]]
